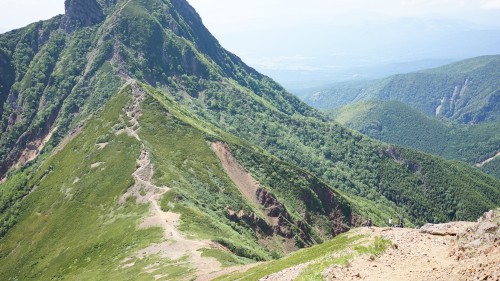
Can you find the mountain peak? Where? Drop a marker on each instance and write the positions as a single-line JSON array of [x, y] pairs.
[[82, 13]]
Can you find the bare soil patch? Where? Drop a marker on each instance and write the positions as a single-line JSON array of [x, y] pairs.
[[33, 149], [246, 184]]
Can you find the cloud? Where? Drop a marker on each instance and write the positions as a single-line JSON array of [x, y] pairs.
[[490, 4], [293, 63]]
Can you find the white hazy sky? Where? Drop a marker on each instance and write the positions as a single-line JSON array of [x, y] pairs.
[[226, 16]]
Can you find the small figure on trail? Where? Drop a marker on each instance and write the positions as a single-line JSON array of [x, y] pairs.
[[369, 223], [390, 222], [400, 223]]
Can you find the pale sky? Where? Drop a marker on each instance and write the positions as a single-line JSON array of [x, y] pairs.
[[226, 16]]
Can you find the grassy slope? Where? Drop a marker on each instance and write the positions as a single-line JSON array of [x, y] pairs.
[[320, 258], [200, 189], [77, 229], [72, 225], [184, 162], [397, 123]]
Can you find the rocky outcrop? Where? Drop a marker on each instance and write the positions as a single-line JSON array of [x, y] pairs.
[[479, 248], [476, 247], [81, 13], [250, 219], [284, 225], [480, 238], [445, 229], [451, 103], [279, 220], [339, 214], [270, 203]]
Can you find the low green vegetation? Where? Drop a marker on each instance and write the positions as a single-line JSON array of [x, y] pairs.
[[315, 270], [339, 251], [227, 259], [71, 224]]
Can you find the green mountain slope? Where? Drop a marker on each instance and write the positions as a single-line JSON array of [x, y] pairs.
[[395, 122], [218, 152], [466, 91], [79, 223]]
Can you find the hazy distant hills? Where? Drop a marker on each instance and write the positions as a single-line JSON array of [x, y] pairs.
[[134, 146], [319, 54], [398, 123], [452, 111], [466, 92]]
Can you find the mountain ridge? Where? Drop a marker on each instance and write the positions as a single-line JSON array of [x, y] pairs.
[[464, 91], [143, 84]]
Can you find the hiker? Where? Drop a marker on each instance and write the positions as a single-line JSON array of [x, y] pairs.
[[400, 223], [390, 222], [369, 223]]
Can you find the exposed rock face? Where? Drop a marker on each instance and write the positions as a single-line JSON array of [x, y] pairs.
[[340, 216], [82, 13], [285, 226], [280, 221], [251, 219], [445, 229], [273, 207], [477, 245]]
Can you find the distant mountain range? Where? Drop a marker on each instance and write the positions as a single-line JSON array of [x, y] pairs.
[[466, 92], [134, 146], [452, 111], [306, 56]]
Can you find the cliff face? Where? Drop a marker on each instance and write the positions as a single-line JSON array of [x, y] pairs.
[[82, 13]]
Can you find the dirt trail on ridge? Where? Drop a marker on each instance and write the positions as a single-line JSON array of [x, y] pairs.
[[417, 257], [456, 251], [175, 245], [488, 160]]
